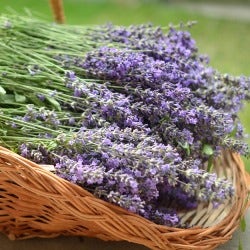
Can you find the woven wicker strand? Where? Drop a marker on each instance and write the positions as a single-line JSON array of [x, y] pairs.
[[37, 203], [57, 9]]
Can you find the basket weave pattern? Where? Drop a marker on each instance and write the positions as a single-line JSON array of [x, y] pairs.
[[36, 203]]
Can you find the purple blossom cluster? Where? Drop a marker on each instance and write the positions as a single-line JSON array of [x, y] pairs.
[[159, 91], [178, 48], [134, 121], [132, 169], [46, 116], [100, 105], [150, 39]]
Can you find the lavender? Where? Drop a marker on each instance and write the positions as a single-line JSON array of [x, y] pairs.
[[135, 115], [150, 39], [159, 92], [103, 103], [132, 169]]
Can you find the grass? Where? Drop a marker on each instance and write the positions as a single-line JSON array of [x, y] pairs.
[[225, 41], [217, 1]]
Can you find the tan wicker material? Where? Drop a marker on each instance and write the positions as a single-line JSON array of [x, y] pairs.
[[57, 9], [36, 203]]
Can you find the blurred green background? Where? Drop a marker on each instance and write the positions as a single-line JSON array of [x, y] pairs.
[[225, 39]]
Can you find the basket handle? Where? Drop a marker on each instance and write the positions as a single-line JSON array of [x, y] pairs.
[[248, 186], [57, 9]]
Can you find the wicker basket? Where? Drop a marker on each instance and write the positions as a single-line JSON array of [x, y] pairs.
[[36, 203]]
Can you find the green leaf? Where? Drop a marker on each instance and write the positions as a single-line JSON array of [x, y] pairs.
[[207, 149], [185, 146], [54, 103], [233, 132], [210, 164], [240, 247], [243, 224], [20, 98], [35, 100], [2, 91], [7, 98], [52, 145]]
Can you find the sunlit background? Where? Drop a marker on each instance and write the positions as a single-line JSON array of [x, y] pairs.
[[222, 31]]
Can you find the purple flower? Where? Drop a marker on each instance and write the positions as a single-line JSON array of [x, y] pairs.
[[71, 76]]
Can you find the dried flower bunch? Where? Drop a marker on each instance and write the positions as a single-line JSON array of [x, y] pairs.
[[133, 114]]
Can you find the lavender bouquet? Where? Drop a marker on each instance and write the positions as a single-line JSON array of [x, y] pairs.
[[135, 115]]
